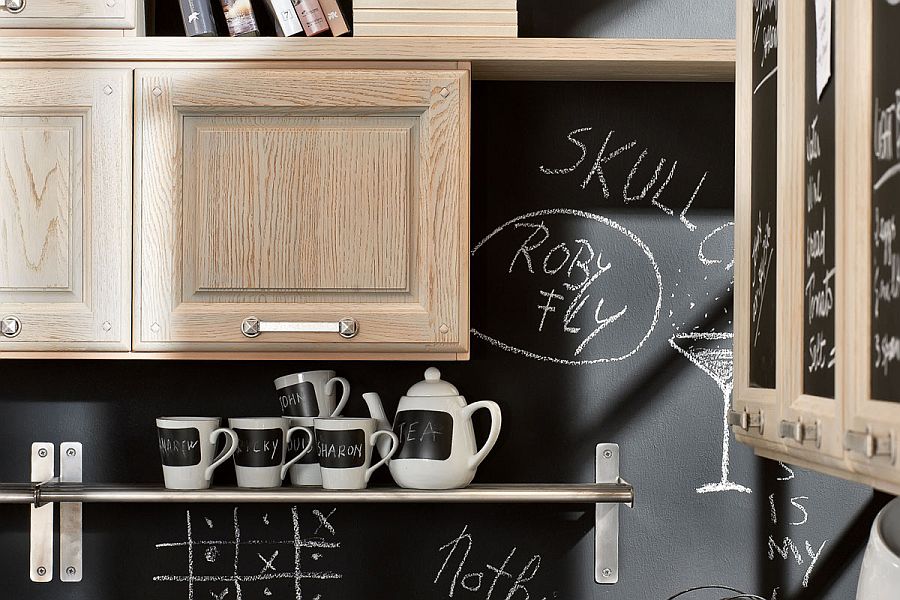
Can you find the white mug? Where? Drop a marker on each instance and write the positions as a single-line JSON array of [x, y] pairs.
[[259, 461], [879, 578], [311, 394], [306, 471], [187, 446], [345, 447]]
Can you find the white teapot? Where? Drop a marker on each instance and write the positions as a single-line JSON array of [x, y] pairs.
[[437, 440]]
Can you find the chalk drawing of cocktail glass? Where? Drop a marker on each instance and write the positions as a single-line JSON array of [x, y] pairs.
[[711, 352]]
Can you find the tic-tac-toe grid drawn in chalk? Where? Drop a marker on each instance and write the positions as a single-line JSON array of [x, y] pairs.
[[268, 562]]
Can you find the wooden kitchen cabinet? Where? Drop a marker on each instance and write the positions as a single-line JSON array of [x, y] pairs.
[[65, 209], [272, 204], [61, 15]]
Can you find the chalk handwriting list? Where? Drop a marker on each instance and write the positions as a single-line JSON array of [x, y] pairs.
[[510, 580], [765, 38]]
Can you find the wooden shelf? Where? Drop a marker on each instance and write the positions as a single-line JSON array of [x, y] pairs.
[[491, 58]]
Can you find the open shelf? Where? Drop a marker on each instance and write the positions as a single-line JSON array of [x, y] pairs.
[[593, 493], [491, 58]]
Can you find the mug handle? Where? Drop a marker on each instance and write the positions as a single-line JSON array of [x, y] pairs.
[[496, 422], [345, 393], [304, 452], [227, 453], [395, 444]]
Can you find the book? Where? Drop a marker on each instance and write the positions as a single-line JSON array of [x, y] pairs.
[[335, 17], [437, 17], [286, 21]]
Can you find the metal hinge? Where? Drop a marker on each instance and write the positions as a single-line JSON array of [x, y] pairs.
[[746, 420], [70, 530], [800, 432], [13, 6], [867, 444]]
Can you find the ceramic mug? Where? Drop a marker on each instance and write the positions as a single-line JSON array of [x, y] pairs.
[[306, 471], [187, 446], [345, 447], [259, 461], [879, 578], [311, 394]]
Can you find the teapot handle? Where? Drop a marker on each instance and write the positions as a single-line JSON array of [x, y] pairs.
[[496, 422]]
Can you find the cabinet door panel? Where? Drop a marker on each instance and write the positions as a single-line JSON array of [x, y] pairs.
[[71, 14], [295, 195], [65, 208]]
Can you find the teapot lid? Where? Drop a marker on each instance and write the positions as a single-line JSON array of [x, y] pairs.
[[433, 385]]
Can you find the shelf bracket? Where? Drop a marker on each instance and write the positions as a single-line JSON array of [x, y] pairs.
[[606, 528], [43, 458]]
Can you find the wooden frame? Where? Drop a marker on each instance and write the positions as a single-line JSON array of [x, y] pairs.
[[756, 403], [67, 17]]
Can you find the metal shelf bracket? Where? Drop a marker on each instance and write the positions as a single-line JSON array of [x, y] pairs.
[[43, 471], [606, 528]]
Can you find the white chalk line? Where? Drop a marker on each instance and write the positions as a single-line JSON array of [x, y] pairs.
[[609, 223], [764, 80], [248, 578], [304, 543], [886, 176]]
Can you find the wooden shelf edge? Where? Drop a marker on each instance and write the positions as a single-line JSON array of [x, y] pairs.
[[235, 355], [491, 58]]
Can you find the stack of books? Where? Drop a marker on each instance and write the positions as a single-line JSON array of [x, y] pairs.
[[424, 18]]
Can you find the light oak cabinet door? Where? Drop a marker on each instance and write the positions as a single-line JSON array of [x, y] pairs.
[[65, 209], [71, 14], [301, 198]]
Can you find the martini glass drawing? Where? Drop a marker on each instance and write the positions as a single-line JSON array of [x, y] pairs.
[[711, 352]]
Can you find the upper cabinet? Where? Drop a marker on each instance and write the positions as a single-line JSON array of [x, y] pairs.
[[68, 14], [301, 210], [65, 209], [835, 400]]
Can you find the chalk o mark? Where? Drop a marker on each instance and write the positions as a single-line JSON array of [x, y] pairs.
[[609, 223], [211, 554], [713, 261]]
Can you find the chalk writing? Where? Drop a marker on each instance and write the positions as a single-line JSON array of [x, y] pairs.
[[762, 252], [579, 275], [274, 566], [485, 582], [787, 548]]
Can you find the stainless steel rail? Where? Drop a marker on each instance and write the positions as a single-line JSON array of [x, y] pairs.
[[589, 493]]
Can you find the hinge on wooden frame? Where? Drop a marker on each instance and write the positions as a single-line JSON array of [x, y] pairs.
[[43, 455], [746, 420], [868, 444]]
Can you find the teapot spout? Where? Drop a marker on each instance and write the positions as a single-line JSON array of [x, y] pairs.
[[376, 411]]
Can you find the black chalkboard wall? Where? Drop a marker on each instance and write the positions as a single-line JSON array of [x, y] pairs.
[[665, 267], [763, 197], [819, 280], [885, 378]]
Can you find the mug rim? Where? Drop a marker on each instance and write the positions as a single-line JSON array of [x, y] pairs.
[[245, 422], [295, 378], [188, 419]]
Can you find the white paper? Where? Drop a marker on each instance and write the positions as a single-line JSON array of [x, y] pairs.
[[823, 45]]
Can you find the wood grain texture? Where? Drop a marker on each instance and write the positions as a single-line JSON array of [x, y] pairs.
[[451, 17], [94, 106], [524, 59], [436, 4], [291, 204], [40, 196], [370, 29], [751, 399], [202, 267], [72, 14]]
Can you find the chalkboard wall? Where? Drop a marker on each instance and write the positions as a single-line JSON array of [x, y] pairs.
[[633, 186]]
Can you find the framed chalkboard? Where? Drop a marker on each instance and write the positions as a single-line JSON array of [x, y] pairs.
[[763, 194], [885, 210], [819, 231]]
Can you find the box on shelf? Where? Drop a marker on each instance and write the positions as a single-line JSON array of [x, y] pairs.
[[417, 18]]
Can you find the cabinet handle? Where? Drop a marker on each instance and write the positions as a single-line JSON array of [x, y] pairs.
[[13, 6], [745, 420], [799, 432], [867, 444], [347, 328]]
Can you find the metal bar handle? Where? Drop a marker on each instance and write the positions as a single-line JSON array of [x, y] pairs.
[[347, 327], [13, 6]]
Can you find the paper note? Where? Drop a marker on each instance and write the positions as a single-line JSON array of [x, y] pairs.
[[823, 45]]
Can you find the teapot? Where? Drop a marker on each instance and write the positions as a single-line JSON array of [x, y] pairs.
[[437, 448]]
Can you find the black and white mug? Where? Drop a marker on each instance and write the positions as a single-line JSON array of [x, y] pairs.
[[262, 442], [311, 394], [305, 471], [345, 446], [187, 447]]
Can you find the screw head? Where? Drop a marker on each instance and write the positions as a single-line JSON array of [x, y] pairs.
[[155, 328], [444, 92], [107, 90], [70, 570], [106, 326], [157, 91], [607, 454], [41, 571], [42, 453], [70, 452], [444, 328], [10, 326], [607, 572]]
